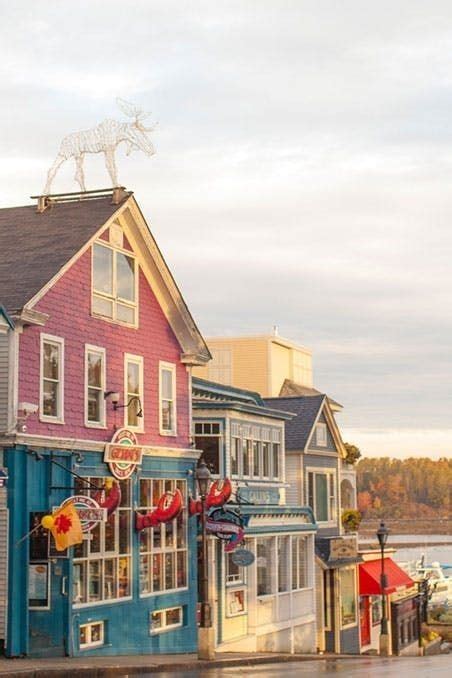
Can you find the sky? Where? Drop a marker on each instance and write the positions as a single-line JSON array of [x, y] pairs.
[[302, 175]]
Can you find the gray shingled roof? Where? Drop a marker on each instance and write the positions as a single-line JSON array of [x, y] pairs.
[[34, 247], [291, 388], [306, 408]]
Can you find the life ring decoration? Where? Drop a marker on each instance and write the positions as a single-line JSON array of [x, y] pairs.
[[168, 507], [109, 496], [219, 493]]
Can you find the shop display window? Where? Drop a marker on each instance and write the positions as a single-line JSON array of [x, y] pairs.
[[91, 635], [102, 562], [166, 620], [163, 549], [348, 596], [235, 602]]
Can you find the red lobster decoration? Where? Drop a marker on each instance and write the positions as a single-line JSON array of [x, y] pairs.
[[169, 506], [111, 500], [219, 493]]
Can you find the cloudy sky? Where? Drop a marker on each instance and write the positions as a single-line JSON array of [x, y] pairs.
[[303, 174]]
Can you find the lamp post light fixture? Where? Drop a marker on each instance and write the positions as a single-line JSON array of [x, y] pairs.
[[205, 637], [383, 534]]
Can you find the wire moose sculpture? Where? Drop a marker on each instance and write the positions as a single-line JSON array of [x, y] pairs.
[[104, 138]]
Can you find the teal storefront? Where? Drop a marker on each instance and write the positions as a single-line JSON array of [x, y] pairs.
[[122, 591]]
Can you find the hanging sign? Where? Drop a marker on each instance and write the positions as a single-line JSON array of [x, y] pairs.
[[242, 557], [89, 511], [123, 454], [228, 525]]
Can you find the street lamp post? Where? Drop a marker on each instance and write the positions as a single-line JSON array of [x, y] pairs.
[[382, 534], [205, 634]]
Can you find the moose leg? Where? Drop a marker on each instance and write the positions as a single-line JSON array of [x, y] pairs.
[[52, 171], [79, 176], [111, 165]]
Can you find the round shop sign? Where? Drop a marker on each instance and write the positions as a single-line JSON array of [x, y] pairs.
[[242, 557], [123, 454], [89, 511]]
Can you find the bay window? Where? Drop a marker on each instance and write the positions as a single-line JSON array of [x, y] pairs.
[[114, 284], [102, 566], [163, 549], [52, 379]]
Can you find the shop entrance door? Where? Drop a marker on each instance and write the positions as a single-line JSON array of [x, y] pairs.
[[48, 596], [364, 620]]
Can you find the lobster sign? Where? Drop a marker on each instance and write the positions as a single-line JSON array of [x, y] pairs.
[[219, 494], [169, 506]]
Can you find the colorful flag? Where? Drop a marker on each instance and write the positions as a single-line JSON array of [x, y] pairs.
[[66, 528]]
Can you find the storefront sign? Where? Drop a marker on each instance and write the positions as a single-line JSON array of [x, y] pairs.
[[89, 511], [343, 547], [258, 495], [228, 525], [123, 454], [242, 557]]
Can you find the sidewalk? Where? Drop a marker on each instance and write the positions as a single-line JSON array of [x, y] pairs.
[[100, 667]]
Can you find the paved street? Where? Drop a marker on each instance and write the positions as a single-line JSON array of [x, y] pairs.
[[416, 667]]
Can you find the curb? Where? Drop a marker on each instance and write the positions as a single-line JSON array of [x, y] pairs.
[[80, 671]]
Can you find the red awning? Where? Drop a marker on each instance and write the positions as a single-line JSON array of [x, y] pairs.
[[369, 577]]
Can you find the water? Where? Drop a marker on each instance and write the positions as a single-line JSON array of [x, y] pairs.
[[427, 544]]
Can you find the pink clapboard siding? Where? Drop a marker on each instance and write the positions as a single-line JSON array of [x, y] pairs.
[[68, 304]]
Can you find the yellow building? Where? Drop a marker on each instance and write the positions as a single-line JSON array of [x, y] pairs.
[[259, 363]]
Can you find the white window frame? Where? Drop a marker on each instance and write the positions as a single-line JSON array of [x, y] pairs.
[[90, 348], [350, 568], [166, 627], [114, 298], [171, 367], [58, 341], [321, 437], [96, 643], [332, 515], [136, 360]]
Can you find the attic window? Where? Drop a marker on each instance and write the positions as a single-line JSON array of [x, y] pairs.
[[114, 285], [320, 435]]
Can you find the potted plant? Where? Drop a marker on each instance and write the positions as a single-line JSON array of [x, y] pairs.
[[351, 520]]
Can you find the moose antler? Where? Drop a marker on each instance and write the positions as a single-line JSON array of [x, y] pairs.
[[131, 111]]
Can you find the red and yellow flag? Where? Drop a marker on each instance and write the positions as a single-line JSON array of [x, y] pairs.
[[66, 528]]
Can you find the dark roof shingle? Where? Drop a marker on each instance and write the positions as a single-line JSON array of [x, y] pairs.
[[35, 246], [306, 408]]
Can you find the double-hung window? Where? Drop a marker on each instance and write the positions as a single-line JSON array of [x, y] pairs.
[[322, 495], [163, 548], [114, 284], [102, 565], [167, 399], [208, 438], [133, 392], [52, 379], [94, 386]]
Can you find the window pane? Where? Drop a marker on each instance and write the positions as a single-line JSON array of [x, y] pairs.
[[266, 459], [302, 573], [110, 534], [167, 415], [94, 404], [95, 369], [103, 307], [124, 531], [103, 269], [125, 271], [133, 378], [264, 566], [181, 573], [167, 384], [125, 314], [210, 447], [235, 451], [321, 497], [256, 460], [294, 564], [157, 572], [275, 460], [173, 616], [94, 580], [283, 564], [169, 571], [124, 577], [50, 398], [110, 579], [51, 361]]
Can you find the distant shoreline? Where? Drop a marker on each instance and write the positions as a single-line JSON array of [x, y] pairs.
[[412, 526]]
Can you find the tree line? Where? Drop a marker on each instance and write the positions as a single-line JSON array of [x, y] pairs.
[[404, 488]]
